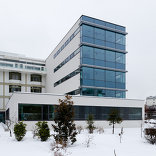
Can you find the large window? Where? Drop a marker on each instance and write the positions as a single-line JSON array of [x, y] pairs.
[[35, 77], [102, 92], [30, 112], [2, 117], [14, 88], [102, 37], [34, 112], [14, 76], [103, 58], [36, 89], [102, 78]]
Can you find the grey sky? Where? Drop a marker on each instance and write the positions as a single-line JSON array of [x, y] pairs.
[[35, 27]]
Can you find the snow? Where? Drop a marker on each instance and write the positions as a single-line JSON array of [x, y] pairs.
[[100, 144]]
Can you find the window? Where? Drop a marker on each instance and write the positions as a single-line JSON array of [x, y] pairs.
[[14, 88], [99, 34], [120, 39], [36, 89], [87, 52], [110, 36], [36, 78], [88, 31], [14, 76], [35, 112]]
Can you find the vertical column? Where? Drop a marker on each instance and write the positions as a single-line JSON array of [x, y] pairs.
[[3, 90], [25, 82]]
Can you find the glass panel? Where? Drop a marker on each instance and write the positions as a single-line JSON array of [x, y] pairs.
[[99, 54], [110, 76], [99, 74], [120, 39], [87, 73], [87, 61], [110, 25], [89, 19], [110, 36], [110, 56], [120, 58], [87, 31], [99, 42], [99, 34], [87, 52], [87, 39]]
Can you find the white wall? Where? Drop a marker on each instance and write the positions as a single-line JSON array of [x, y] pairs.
[[28, 98], [69, 67]]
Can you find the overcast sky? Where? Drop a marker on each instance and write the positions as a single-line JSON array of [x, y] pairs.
[[35, 27]]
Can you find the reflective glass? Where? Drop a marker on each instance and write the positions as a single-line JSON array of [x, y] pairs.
[[99, 74], [87, 31], [110, 93], [99, 83], [110, 64], [87, 82], [110, 84], [99, 42], [87, 61], [87, 39], [120, 77], [110, 75], [110, 36], [99, 34], [99, 54], [110, 45], [99, 63], [110, 56], [87, 52], [120, 58], [120, 39], [87, 73]]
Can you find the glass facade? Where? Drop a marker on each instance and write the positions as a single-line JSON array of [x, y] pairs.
[[32, 112], [102, 58]]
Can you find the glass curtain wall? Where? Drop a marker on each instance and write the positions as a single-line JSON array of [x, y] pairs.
[[34, 112]]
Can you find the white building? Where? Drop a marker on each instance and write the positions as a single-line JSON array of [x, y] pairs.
[[89, 61], [20, 74], [33, 107]]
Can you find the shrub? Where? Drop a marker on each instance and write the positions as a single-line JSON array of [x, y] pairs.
[[42, 130], [150, 135], [90, 123], [19, 130]]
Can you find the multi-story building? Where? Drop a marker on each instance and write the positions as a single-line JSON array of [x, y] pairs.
[[19, 74], [89, 60]]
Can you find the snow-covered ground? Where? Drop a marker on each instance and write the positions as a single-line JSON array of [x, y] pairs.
[[101, 144]]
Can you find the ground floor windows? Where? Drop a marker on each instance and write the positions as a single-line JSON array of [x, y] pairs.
[[36, 89], [28, 112], [14, 88], [36, 112]]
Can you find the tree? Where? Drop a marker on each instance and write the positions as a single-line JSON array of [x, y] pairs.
[[42, 130], [90, 123], [64, 124], [114, 118], [19, 130]]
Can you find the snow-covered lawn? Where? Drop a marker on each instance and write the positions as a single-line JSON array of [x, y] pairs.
[[101, 144]]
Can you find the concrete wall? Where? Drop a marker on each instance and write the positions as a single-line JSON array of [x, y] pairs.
[[69, 67]]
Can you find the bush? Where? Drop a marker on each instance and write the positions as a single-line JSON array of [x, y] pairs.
[[90, 123], [19, 130], [150, 135], [42, 130]]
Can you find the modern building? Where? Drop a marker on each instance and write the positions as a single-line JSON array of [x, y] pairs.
[[89, 60], [19, 74], [89, 63], [33, 107]]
